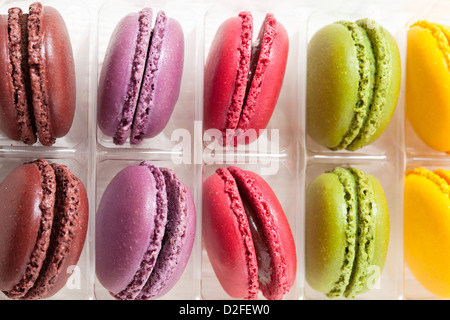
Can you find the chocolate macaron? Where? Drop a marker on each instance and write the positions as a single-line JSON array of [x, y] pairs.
[[43, 224], [37, 72]]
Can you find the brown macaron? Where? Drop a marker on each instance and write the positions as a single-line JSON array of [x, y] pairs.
[[43, 224], [37, 72]]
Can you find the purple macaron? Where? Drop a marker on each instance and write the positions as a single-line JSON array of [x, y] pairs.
[[141, 76], [145, 230]]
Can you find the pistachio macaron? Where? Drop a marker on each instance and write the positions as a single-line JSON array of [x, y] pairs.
[[347, 232], [353, 100]]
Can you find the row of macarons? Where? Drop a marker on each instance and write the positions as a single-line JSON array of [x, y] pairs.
[[146, 223], [353, 79]]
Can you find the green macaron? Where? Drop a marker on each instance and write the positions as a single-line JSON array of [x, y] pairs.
[[347, 232], [353, 83]]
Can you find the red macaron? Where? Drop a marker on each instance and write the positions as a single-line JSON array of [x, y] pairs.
[[243, 81], [247, 235]]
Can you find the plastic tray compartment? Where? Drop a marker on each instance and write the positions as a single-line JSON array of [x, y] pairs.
[[275, 154], [384, 158]]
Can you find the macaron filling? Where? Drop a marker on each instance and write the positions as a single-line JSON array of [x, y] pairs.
[[263, 258], [38, 76], [359, 232], [348, 183], [65, 217], [237, 207], [366, 82], [242, 77], [137, 72], [145, 100], [365, 244], [18, 55], [260, 59], [383, 76]]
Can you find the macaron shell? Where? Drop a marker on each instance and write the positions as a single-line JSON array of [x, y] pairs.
[[382, 230], [255, 191], [69, 229], [387, 83], [16, 114], [226, 73], [8, 116], [162, 80], [113, 91], [44, 210], [427, 230], [366, 60], [178, 238], [327, 233], [268, 76], [227, 236], [332, 96], [20, 218], [52, 73], [428, 83], [125, 222]]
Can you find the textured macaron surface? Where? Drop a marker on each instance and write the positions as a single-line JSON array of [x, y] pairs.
[[44, 214], [16, 119], [427, 79], [347, 232], [247, 235], [427, 228], [352, 102], [178, 238], [162, 79], [122, 73], [54, 68], [226, 72]]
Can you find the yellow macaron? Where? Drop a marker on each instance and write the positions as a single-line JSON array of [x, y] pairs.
[[428, 83], [427, 228]]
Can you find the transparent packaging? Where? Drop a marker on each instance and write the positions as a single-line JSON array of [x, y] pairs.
[[284, 155]]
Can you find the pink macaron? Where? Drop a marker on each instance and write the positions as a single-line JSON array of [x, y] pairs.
[[243, 81], [247, 235], [145, 230]]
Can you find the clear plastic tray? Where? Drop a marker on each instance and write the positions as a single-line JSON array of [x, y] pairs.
[[284, 155]]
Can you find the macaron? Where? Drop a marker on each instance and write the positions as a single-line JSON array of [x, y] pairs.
[[247, 235], [427, 83], [140, 78], [427, 228], [37, 72], [144, 233], [43, 222], [353, 83], [347, 232], [242, 81]]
